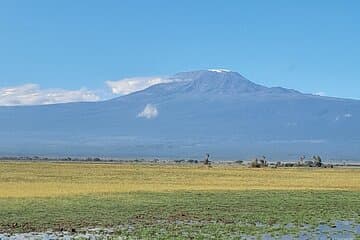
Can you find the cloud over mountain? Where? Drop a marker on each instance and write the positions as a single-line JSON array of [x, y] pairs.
[[150, 111], [32, 94], [129, 85]]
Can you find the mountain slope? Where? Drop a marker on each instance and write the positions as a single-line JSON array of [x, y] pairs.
[[219, 112]]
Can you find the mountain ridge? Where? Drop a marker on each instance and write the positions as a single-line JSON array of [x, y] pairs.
[[203, 111], [211, 82]]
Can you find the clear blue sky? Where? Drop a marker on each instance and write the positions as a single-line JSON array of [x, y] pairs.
[[312, 46]]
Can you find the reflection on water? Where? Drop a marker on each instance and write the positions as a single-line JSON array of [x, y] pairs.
[[338, 230]]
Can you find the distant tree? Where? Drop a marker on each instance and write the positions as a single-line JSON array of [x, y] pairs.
[[254, 163], [258, 163], [264, 162], [317, 161], [206, 161]]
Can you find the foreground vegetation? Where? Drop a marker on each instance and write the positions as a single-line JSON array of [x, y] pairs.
[[174, 200]]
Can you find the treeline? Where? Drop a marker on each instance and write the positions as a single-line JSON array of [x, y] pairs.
[[316, 161], [262, 162]]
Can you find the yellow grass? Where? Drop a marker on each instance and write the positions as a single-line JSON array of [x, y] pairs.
[[63, 179]]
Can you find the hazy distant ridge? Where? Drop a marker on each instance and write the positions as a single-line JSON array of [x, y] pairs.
[[215, 111]]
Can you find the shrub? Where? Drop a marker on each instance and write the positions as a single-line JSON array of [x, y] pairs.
[[317, 161], [259, 163]]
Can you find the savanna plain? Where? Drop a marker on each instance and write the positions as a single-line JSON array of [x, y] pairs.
[[178, 201]]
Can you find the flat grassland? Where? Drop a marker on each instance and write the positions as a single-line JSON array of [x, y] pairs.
[[168, 200]]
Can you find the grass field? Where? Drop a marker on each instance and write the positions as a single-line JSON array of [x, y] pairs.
[[169, 201]]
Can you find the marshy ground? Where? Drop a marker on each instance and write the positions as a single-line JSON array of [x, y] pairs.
[[178, 201]]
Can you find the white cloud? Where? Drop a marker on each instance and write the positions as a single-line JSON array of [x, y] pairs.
[[348, 115], [150, 111], [32, 94], [130, 85]]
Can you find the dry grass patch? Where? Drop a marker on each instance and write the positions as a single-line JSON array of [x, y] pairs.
[[19, 179]]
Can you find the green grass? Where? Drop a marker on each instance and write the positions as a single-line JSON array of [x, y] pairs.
[[163, 201], [168, 214]]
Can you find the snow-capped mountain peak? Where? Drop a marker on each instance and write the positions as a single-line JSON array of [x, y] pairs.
[[214, 82]]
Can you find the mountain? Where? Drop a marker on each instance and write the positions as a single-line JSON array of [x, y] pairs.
[[215, 111]]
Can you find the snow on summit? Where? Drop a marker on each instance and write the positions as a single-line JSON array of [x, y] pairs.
[[219, 70]]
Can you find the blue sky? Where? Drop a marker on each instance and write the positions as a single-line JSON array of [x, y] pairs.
[[312, 46]]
